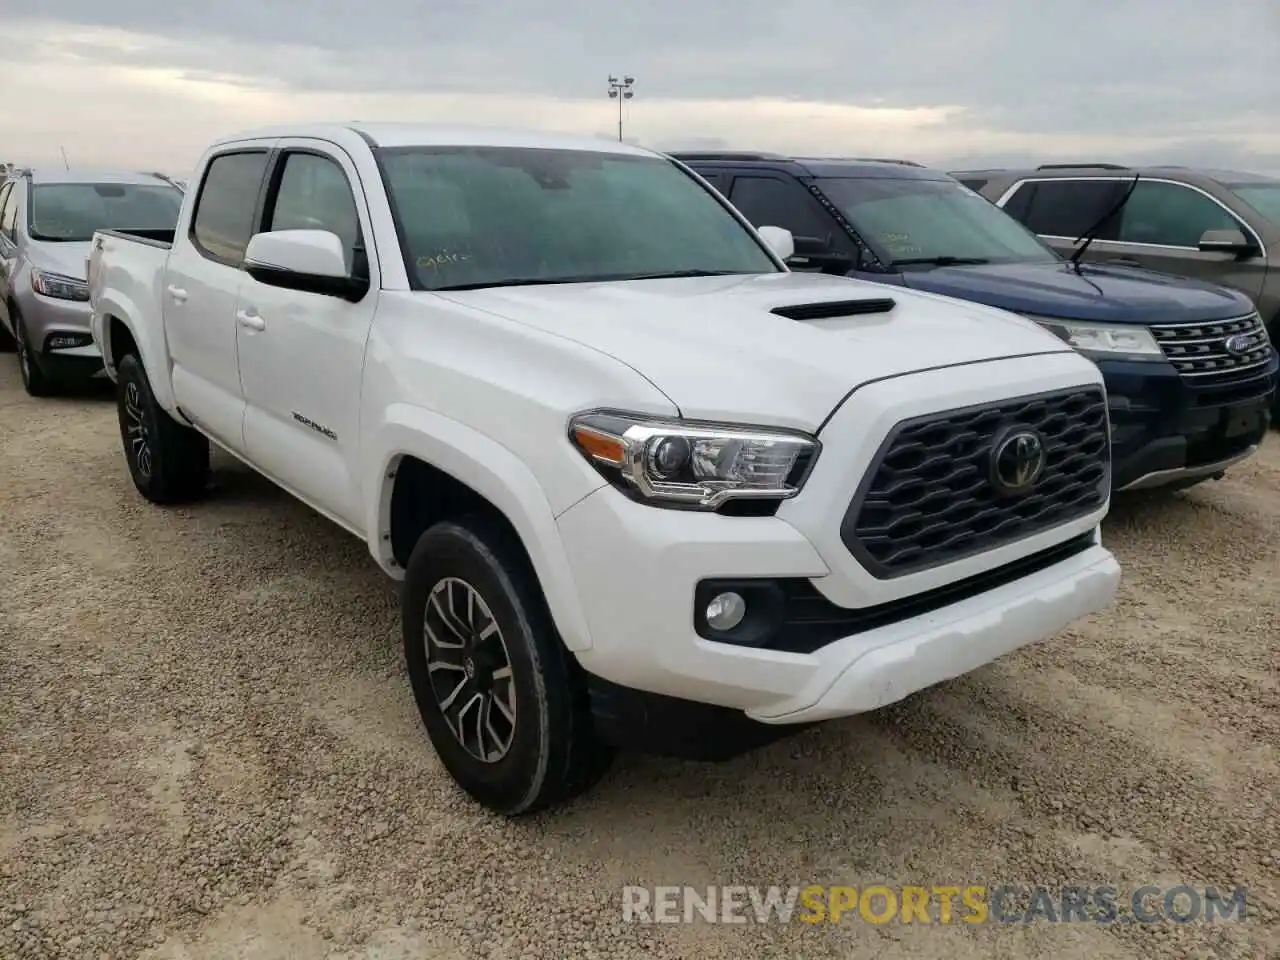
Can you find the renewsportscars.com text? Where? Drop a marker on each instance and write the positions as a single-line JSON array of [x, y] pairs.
[[972, 904]]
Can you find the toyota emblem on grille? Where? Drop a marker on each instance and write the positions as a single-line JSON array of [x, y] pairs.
[[1241, 344], [1017, 462]]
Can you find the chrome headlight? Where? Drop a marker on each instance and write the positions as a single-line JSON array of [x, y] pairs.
[[58, 287], [693, 464], [1109, 341]]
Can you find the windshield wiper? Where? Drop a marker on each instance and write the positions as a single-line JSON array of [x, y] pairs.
[[941, 261], [587, 278], [676, 274], [1089, 235], [513, 282]]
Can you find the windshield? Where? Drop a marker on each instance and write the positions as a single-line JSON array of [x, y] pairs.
[[73, 211], [930, 221], [1263, 197], [486, 216]]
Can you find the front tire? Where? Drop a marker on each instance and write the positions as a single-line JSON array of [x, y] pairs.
[[501, 698], [168, 461]]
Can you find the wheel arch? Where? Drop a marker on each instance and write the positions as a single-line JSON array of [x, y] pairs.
[[116, 331], [430, 468]]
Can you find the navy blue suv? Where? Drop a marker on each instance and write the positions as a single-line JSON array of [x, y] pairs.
[[1189, 367]]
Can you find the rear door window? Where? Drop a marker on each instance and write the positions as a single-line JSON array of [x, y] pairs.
[[225, 207]]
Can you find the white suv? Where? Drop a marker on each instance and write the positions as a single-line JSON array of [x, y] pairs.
[[645, 487]]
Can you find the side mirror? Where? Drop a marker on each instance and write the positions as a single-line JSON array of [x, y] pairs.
[[779, 241], [818, 252], [310, 261], [1226, 241], [811, 246]]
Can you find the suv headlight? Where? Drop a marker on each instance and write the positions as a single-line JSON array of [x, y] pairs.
[[693, 464], [58, 287], [1112, 341]]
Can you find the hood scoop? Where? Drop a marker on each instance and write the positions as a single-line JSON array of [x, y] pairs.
[[833, 309]]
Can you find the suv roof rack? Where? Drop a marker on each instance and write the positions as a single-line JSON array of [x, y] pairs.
[[1082, 166], [905, 163], [162, 176], [724, 155]]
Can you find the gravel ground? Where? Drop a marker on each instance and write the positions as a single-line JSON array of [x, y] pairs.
[[208, 749]]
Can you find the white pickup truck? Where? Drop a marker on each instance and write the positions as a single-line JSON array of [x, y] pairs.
[[645, 486]]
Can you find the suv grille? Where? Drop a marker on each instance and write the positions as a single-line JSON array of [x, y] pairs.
[[932, 495], [1199, 351]]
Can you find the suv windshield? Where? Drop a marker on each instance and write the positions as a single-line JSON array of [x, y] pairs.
[[933, 221], [1263, 197], [492, 216], [73, 211]]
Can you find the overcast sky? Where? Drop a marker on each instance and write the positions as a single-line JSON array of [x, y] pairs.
[[989, 81]]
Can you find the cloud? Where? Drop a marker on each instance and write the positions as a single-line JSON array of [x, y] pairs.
[[1170, 80]]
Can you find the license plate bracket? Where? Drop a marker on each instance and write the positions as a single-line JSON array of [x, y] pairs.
[[1241, 420]]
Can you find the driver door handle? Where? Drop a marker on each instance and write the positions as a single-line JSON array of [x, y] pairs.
[[177, 293], [250, 320]]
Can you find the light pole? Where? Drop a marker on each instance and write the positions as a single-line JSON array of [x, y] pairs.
[[621, 90]]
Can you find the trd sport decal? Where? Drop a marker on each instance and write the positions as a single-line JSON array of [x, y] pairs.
[[314, 426]]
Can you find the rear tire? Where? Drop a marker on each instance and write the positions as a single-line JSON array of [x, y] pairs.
[[168, 461], [34, 380], [502, 699]]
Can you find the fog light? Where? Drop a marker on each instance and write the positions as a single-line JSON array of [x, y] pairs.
[[725, 611], [65, 341]]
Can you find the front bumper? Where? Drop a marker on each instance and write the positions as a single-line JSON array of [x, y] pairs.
[[60, 336], [638, 570], [1166, 432], [642, 601]]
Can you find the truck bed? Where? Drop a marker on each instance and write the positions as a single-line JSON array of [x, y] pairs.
[[153, 236], [125, 271]]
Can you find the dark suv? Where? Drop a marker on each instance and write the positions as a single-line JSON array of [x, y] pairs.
[[1214, 225], [1190, 370]]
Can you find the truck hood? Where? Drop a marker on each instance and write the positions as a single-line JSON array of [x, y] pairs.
[[1099, 292], [715, 347], [67, 259]]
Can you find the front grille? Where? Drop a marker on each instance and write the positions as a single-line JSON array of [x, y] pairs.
[[930, 497], [1199, 351]]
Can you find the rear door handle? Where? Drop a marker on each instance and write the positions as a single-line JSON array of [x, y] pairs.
[[250, 320], [177, 293]]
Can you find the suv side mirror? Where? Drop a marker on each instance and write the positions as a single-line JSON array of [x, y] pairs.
[[779, 241], [1226, 241], [819, 252], [310, 261]]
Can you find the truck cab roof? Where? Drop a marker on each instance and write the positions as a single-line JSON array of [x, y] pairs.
[[391, 135]]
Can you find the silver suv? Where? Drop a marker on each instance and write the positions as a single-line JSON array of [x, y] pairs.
[[46, 223], [1215, 225]]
